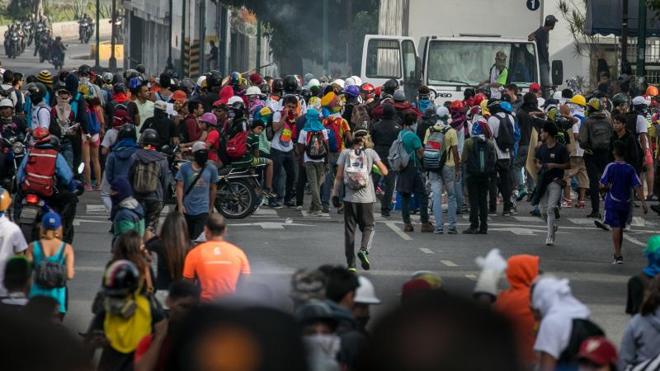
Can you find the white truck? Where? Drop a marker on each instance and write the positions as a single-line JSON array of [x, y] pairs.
[[451, 45]]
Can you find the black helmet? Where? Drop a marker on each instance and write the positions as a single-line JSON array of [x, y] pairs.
[[313, 311], [390, 86], [213, 79], [150, 137], [119, 88], [469, 93], [278, 86], [121, 279], [140, 68], [84, 70], [36, 91], [290, 84], [127, 131]]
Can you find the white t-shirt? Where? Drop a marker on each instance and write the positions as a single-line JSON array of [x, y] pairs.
[[40, 116], [12, 242], [275, 143], [302, 139], [642, 125], [494, 124], [579, 152], [110, 138]]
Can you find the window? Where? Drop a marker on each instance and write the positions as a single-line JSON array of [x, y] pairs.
[[383, 59], [409, 59]]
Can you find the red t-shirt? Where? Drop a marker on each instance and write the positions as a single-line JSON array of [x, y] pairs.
[[192, 129], [213, 142]]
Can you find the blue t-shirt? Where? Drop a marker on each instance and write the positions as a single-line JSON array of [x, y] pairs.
[[197, 200], [621, 178]]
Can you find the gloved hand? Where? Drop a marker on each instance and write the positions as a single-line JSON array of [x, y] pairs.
[[492, 267]]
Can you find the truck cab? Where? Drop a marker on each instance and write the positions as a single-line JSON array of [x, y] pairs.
[[447, 65]]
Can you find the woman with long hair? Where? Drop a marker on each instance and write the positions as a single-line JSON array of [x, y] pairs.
[[171, 248], [50, 248], [129, 246], [641, 338]]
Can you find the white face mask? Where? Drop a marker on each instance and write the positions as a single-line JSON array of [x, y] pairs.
[[328, 344], [84, 80]]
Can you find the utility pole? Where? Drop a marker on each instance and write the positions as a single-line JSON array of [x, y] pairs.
[[641, 40], [349, 32], [258, 70], [170, 65], [97, 64], [325, 37], [624, 37], [113, 19]]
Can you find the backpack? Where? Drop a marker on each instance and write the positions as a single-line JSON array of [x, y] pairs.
[[398, 157], [596, 135], [237, 145], [146, 176], [435, 155], [50, 274], [581, 329], [40, 172], [360, 118], [335, 133], [93, 124], [482, 159], [505, 138], [356, 171], [316, 148]]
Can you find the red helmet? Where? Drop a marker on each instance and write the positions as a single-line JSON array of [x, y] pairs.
[[477, 99], [367, 88], [377, 91], [457, 105], [41, 135]]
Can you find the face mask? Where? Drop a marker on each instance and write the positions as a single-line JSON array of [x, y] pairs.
[[201, 157], [62, 101], [328, 344], [84, 80]]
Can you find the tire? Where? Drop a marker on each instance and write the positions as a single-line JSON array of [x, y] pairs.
[[235, 199]]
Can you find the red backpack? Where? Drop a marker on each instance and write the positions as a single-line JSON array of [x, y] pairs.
[[40, 172], [237, 145]]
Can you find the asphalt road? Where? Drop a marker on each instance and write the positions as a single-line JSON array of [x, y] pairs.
[[278, 242]]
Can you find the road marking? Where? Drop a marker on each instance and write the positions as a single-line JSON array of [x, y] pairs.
[[633, 240], [305, 214], [528, 219], [270, 225], [519, 231], [96, 209], [391, 225], [265, 212], [449, 263], [426, 251], [582, 221], [471, 276], [76, 222]]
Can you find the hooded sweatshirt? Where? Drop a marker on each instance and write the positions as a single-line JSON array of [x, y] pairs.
[[553, 298], [514, 302], [641, 339], [127, 214], [118, 161]]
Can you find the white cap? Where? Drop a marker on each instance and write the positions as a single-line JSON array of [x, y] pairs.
[[234, 99], [365, 294], [442, 111], [199, 146], [6, 103], [350, 81], [253, 90], [201, 80], [357, 79]]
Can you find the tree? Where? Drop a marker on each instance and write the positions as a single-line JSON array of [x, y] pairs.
[[574, 13]]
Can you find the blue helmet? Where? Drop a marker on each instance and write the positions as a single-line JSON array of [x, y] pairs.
[[506, 107], [352, 91]]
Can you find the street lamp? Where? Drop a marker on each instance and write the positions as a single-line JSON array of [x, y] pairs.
[[113, 19], [97, 64]]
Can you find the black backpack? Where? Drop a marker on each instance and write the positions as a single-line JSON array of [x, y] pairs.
[[482, 158], [505, 140], [580, 331]]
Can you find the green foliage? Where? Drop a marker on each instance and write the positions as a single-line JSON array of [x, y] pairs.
[[57, 10], [574, 13]]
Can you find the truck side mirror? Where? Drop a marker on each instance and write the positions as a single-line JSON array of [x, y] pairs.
[[557, 72]]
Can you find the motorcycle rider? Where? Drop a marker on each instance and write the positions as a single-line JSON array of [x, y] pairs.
[[40, 108], [84, 24], [45, 172], [10, 127], [57, 49]]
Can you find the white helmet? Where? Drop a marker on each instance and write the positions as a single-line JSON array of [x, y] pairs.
[[201, 80], [442, 111], [253, 90], [6, 103], [350, 81], [357, 79], [313, 82], [365, 294], [557, 95], [341, 83], [235, 99], [640, 101]]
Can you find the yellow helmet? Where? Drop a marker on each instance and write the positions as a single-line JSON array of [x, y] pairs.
[[5, 200], [594, 104], [578, 99]]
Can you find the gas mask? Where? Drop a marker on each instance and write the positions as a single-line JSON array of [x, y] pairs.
[[201, 157]]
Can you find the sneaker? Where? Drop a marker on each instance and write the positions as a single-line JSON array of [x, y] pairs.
[[438, 231], [581, 205], [617, 260], [385, 213], [452, 231], [427, 227], [275, 205], [507, 213], [299, 207], [364, 260], [549, 241], [492, 212], [325, 209], [471, 231], [535, 212], [483, 231], [352, 269], [521, 196], [595, 215], [315, 213], [291, 203], [601, 225], [567, 203], [408, 228]]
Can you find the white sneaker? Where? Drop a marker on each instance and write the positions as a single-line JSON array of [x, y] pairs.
[[549, 241]]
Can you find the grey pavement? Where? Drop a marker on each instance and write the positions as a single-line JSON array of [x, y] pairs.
[[278, 242]]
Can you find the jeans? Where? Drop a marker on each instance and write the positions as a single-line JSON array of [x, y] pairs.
[[419, 190], [66, 149], [595, 164], [503, 183], [550, 202], [437, 181], [458, 183], [329, 181], [283, 160], [519, 168], [477, 193], [314, 172], [301, 180], [361, 215], [388, 188], [196, 224]]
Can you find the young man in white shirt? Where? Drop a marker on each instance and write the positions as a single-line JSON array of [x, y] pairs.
[[12, 241]]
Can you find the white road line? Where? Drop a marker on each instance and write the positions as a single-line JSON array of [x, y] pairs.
[[528, 219], [633, 240], [471, 276], [426, 251], [395, 229], [449, 263]]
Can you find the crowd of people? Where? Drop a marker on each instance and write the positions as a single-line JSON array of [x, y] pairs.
[[350, 146]]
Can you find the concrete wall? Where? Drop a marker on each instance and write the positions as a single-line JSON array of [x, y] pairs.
[[69, 30]]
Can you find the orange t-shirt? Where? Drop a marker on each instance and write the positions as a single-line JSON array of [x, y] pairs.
[[217, 265]]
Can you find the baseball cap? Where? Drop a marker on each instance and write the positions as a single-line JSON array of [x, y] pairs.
[[199, 146], [160, 105], [534, 87], [599, 350], [51, 220], [551, 19]]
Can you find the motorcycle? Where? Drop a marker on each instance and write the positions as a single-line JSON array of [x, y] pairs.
[[85, 31], [14, 46], [40, 35], [13, 158], [237, 196]]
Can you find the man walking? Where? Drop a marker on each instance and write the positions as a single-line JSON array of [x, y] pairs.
[[501, 124], [383, 133]]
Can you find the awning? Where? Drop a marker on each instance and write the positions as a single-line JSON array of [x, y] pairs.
[[604, 18]]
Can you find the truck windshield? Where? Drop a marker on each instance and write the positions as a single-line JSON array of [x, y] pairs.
[[470, 62]]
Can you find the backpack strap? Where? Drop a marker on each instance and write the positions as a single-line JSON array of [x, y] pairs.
[[60, 252], [192, 185]]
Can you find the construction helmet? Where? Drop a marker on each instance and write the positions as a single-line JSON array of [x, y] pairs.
[[578, 99], [5, 200], [595, 104], [651, 91]]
